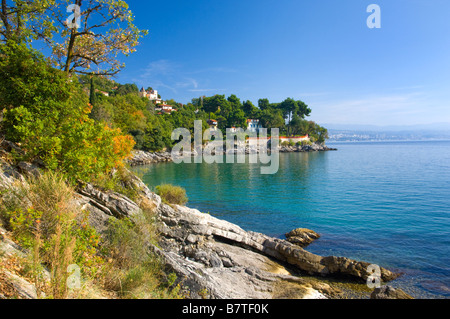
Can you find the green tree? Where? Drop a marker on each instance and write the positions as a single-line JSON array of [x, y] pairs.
[[272, 118], [214, 103], [298, 126], [173, 103], [250, 110], [263, 104], [302, 109], [288, 106], [238, 119], [106, 31], [24, 20], [124, 89], [25, 79], [235, 102], [317, 132]]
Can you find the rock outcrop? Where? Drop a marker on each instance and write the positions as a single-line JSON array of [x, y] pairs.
[[8, 175], [144, 158], [12, 284], [189, 226], [139, 158], [302, 237], [214, 258], [217, 259], [111, 203], [306, 148]]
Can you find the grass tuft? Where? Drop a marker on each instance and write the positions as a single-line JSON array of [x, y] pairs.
[[172, 194]]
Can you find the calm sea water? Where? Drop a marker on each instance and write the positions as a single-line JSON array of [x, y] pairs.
[[385, 203]]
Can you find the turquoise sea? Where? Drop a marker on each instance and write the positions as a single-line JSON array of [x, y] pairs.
[[386, 203]]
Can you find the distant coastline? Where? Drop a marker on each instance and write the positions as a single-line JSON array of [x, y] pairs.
[[388, 141], [388, 134]]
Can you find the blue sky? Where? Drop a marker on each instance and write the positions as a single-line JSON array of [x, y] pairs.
[[321, 52]]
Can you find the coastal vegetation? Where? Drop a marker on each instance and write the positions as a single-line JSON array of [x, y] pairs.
[[43, 218], [125, 109], [48, 121]]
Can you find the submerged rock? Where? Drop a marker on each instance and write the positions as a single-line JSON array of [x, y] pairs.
[[388, 292]]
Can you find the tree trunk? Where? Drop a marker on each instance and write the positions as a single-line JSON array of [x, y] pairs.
[[4, 17], [70, 51], [73, 36]]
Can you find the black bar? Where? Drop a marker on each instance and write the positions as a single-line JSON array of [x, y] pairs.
[[167, 309]]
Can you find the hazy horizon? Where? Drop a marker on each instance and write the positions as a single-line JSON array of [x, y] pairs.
[[442, 126]]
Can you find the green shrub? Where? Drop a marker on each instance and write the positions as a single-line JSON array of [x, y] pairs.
[[124, 244], [24, 225], [48, 223], [137, 273], [172, 194], [47, 113]]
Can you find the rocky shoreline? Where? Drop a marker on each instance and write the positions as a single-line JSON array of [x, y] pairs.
[[306, 148], [216, 259], [140, 158], [213, 258]]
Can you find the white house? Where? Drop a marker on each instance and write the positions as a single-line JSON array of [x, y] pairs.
[[253, 125], [166, 109], [152, 95]]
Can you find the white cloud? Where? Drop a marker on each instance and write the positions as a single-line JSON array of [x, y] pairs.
[[165, 74], [188, 82], [215, 70], [206, 90], [401, 109], [160, 67]]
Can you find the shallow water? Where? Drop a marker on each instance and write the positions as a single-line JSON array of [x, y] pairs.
[[385, 203]]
